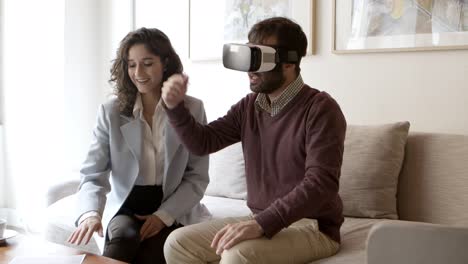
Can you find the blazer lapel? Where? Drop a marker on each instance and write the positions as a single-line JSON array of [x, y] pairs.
[[172, 144], [132, 133]]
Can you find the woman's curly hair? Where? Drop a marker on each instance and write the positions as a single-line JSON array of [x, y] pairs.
[[157, 43]]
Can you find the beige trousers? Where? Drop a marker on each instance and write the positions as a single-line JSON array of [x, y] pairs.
[[301, 242]]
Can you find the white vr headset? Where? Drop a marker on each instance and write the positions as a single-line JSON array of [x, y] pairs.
[[255, 58]]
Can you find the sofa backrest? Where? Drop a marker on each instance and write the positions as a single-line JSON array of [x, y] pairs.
[[433, 183]]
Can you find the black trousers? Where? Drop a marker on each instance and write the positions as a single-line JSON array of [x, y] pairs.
[[123, 233]]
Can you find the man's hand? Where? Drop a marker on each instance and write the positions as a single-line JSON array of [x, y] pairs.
[[232, 234], [152, 226], [85, 231], [174, 90]]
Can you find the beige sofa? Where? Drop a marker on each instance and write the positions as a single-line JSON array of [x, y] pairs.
[[405, 196]]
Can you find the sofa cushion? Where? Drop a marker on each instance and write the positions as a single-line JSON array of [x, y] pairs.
[[60, 220], [372, 160], [221, 207], [433, 182], [227, 173]]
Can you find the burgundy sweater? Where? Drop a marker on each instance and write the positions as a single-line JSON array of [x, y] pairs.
[[292, 160]]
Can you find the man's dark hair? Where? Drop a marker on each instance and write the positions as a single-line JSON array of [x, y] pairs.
[[289, 35]]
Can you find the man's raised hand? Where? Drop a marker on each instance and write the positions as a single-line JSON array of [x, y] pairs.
[[174, 90]]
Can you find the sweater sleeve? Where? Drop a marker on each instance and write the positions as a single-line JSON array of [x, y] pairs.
[[324, 145], [205, 139]]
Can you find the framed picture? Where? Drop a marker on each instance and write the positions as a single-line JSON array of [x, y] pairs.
[[213, 23], [399, 25]]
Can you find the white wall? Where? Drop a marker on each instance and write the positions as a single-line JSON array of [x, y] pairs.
[[429, 89], [2, 170], [33, 105], [92, 32], [2, 148], [2, 23], [58, 56], [83, 67]]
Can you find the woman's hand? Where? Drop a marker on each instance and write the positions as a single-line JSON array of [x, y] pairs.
[[85, 231], [152, 226]]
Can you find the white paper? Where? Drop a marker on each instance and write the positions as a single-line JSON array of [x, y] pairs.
[[76, 259]]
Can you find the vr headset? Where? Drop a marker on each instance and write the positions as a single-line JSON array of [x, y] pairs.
[[255, 58]]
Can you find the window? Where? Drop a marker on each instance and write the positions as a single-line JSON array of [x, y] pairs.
[[32, 107], [171, 17], [218, 87]]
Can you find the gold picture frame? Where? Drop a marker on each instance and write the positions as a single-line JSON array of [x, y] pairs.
[[365, 26]]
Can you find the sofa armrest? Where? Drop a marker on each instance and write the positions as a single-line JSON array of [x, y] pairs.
[[414, 243], [61, 190]]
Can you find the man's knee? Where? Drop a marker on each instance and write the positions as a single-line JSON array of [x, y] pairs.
[[240, 253], [187, 245], [174, 240]]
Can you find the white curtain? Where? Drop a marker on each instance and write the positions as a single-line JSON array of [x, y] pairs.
[[2, 170], [33, 97], [55, 65]]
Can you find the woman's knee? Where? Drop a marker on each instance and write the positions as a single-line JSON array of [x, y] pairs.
[[123, 228], [122, 244], [125, 234]]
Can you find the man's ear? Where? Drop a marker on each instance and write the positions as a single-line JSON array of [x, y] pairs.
[[289, 67]]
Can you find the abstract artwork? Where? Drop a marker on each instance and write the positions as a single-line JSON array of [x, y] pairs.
[[381, 25]]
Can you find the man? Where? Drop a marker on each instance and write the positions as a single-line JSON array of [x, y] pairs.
[[292, 137]]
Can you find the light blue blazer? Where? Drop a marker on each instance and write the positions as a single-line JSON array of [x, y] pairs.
[[111, 168]]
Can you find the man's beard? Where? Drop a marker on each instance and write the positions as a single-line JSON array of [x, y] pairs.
[[269, 81]]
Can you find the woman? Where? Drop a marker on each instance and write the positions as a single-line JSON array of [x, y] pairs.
[[138, 182]]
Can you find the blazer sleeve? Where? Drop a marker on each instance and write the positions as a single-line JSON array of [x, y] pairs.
[[194, 181], [95, 170]]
